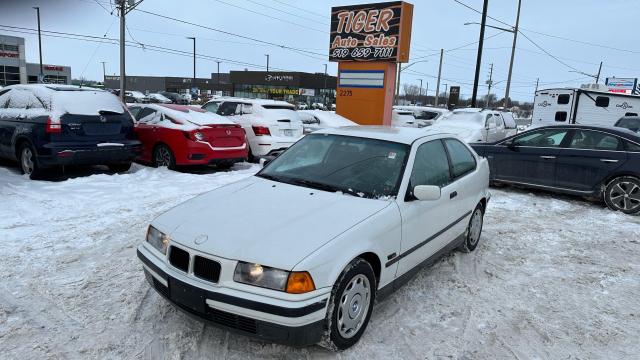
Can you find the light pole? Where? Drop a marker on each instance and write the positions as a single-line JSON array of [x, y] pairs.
[[41, 76], [218, 80], [446, 99], [267, 55], [193, 81], [324, 91], [419, 91], [400, 69]]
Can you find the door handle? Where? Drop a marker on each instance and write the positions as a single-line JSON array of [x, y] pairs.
[[453, 194], [547, 157], [609, 160]]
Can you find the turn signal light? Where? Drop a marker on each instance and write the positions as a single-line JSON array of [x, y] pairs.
[[261, 130], [300, 282]]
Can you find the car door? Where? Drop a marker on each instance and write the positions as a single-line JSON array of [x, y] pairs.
[[146, 129], [463, 164], [489, 127], [588, 159], [529, 158], [426, 225]]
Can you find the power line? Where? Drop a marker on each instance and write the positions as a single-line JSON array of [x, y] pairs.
[[301, 9], [548, 53], [288, 13], [270, 16]]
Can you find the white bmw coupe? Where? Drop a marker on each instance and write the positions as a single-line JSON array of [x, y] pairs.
[[298, 253]]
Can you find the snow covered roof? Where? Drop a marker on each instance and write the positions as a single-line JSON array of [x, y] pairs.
[[403, 135]]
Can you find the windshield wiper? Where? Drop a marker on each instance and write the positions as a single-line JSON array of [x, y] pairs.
[[325, 187]]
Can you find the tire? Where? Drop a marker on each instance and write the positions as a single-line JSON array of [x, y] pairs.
[[163, 156], [474, 230], [350, 307], [119, 168], [250, 157], [225, 165], [28, 162], [623, 194]]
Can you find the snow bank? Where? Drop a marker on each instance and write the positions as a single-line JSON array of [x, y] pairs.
[[552, 278]]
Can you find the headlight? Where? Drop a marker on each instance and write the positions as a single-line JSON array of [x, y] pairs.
[[271, 278], [199, 136], [158, 239]]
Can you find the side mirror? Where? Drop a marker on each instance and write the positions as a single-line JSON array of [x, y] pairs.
[[511, 144], [427, 192]]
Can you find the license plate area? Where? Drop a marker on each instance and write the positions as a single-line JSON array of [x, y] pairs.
[[187, 296], [287, 132]]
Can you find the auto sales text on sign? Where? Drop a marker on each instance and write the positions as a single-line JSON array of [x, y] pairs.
[[370, 32]]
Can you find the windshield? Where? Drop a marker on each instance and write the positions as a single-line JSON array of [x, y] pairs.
[[357, 166], [466, 117], [631, 124]]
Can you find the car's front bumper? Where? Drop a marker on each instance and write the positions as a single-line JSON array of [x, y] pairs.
[[215, 308]]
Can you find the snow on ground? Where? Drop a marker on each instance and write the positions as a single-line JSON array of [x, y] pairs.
[[553, 278]]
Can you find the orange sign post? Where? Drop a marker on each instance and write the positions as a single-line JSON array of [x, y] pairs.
[[368, 41]]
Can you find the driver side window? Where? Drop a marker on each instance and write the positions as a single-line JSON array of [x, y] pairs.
[[431, 166], [541, 138]]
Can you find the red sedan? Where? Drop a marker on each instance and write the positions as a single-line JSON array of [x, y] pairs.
[[175, 135]]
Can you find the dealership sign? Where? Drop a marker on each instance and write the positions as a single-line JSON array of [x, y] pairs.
[[371, 32], [622, 85], [9, 54]]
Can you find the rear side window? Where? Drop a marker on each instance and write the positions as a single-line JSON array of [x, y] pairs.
[[431, 166], [462, 160], [563, 99], [228, 109], [602, 101], [509, 121], [144, 113], [212, 106], [561, 116], [632, 147], [594, 140]]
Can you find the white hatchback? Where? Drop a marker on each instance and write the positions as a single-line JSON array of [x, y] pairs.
[[341, 218]]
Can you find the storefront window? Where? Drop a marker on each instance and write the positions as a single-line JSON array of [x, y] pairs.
[[9, 75]]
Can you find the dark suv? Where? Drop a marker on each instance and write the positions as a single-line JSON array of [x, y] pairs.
[[44, 126]]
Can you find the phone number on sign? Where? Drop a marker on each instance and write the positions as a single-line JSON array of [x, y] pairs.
[[378, 52]]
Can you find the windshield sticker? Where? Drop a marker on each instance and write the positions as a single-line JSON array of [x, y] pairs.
[[392, 155]]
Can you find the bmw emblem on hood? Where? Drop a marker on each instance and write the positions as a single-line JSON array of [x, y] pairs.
[[200, 239]]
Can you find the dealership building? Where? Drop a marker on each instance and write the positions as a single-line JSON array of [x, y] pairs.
[[14, 68], [294, 87]]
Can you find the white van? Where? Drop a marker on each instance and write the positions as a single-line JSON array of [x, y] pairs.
[[590, 105], [271, 126]]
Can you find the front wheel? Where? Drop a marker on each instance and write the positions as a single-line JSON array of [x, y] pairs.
[[474, 230], [119, 168], [351, 305], [623, 194]]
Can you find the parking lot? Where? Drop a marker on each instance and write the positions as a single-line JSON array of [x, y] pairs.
[[553, 277]]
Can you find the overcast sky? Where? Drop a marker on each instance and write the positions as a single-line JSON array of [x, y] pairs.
[[610, 26]]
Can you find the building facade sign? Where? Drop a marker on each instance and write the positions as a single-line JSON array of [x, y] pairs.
[[371, 32]]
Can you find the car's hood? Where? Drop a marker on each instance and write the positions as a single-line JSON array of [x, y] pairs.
[[265, 222]]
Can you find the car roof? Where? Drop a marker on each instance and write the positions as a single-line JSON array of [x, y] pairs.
[[50, 87], [405, 135], [622, 132]]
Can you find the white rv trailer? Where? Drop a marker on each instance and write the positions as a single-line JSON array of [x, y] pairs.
[[589, 105]]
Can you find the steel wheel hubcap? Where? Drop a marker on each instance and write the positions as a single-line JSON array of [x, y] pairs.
[[475, 228], [353, 306], [163, 157], [625, 195], [27, 162]]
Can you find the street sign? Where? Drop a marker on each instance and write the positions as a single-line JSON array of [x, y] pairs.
[[454, 96]]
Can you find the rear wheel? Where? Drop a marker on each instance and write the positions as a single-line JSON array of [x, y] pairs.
[[351, 305], [623, 194], [162, 156], [28, 161], [119, 168], [474, 230]]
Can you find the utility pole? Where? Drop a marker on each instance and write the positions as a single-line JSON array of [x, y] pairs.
[[599, 70], [426, 95], [123, 12], [104, 72], [513, 54], [479, 57], [398, 83], [420, 91], [446, 99], [218, 80], [534, 93], [489, 82], [41, 76], [193, 81], [267, 55], [324, 91], [439, 74]]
